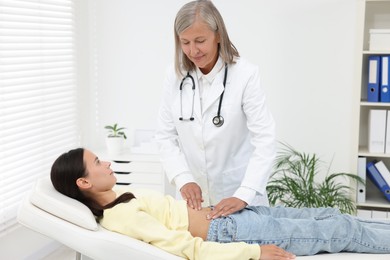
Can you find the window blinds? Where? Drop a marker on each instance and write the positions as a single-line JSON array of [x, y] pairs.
[[38, 105]]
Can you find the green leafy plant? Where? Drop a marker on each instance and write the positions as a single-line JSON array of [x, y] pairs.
[[294, 183], [115, 131]]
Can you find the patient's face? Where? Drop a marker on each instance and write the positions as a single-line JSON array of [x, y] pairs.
[[99, 172]]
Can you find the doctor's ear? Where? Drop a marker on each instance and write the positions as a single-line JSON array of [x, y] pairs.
[[83, 183]]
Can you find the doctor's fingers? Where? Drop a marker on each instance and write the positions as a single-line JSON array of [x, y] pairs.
[[227, 207], [221, 211], [195, 203], [193, 195]]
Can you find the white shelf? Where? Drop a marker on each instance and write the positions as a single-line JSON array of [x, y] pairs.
[[373, 14], [377, 0], [376, 52], [376, 203], [374, 104], [363, 151]]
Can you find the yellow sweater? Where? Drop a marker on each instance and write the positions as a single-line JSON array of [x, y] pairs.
[[163, 222]]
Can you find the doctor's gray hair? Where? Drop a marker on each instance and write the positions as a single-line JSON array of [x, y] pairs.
[[209, 14]]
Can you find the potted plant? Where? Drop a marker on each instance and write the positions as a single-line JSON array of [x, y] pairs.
[[115, 139], [295, 183]]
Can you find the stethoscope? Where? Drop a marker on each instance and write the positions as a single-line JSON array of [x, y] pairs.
[[218, 119]]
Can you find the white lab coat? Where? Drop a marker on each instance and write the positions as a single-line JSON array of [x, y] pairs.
[[240, 153]]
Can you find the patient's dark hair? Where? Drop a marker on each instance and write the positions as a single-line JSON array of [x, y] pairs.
[[66, 169]]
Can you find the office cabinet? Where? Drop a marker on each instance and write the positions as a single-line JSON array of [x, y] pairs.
[[374, 17], [138, 171]]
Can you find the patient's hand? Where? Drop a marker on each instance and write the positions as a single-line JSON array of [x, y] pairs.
[[272, 252]]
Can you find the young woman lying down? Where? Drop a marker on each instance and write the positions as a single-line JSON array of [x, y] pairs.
[[252, 233]]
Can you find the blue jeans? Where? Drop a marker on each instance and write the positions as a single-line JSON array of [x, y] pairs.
[[305, 231]]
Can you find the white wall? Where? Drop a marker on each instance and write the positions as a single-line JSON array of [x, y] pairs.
[[305, 49]]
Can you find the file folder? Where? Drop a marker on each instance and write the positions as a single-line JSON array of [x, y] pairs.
[[361, 187], [377, 130], [384, 171], [384, 95], [377, 179], [374, 63]]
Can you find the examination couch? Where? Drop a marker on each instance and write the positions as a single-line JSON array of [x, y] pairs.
[[71, 223]]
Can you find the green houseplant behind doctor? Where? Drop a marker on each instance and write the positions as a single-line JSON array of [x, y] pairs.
[[216, 135]]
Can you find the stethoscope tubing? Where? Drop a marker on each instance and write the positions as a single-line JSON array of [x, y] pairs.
[[181, 96], [220, 100], [218, 120]]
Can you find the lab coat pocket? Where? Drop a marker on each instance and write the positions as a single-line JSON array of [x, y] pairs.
[[232, 180]]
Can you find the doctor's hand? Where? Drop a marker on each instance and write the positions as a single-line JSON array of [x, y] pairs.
[[226, 207], [192, 193]]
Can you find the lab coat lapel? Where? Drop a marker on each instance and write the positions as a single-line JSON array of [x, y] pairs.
[[215, 91]]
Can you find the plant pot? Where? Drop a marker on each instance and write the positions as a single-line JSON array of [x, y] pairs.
[[115, 145]]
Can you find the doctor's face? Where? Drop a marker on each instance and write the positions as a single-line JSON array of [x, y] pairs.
[[200, 45]]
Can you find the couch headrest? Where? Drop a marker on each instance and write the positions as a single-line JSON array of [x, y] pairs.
[[47, 198]]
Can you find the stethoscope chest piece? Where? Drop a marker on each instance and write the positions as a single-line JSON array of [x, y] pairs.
[[218, 121]]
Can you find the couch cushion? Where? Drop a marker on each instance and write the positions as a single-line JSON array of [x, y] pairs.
[[46, 197]]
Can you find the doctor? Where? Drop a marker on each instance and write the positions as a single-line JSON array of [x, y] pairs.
[[216, 135]]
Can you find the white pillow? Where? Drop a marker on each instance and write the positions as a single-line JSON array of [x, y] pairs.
[[47, 198]]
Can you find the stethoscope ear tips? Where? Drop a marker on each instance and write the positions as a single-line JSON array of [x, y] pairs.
[[218, 121]]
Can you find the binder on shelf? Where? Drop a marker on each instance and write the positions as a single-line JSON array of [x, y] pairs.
[[377, 130], [361, 187], [384, 95], [374, 63], [384, 171], [377, 179]]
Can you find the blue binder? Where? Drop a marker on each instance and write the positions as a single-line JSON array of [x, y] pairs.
[[384, 96], [374, 65], [377, 179]]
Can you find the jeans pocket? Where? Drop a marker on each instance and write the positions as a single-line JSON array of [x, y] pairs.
[[228, 230]]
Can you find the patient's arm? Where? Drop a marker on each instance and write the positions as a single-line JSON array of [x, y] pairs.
[[140, 225]]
